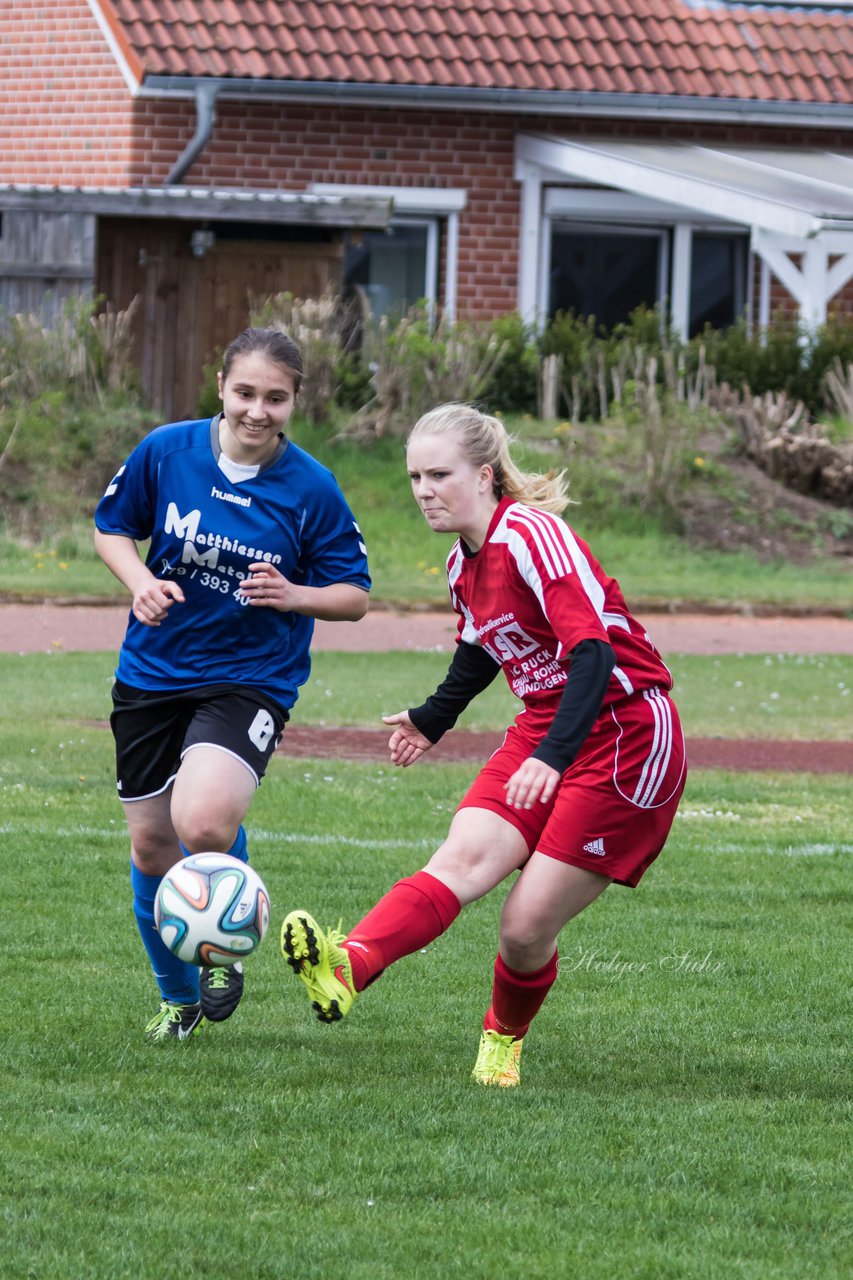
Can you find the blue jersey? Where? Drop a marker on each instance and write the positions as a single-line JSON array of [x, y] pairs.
[[204, 533]]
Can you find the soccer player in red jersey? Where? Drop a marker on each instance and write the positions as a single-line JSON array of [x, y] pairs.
[[584, 788]]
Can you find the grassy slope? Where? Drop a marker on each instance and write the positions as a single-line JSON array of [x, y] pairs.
[[407, 560]]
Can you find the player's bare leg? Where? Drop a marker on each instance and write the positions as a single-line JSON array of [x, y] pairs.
[[210, 798], [546, 895], [480, 851]]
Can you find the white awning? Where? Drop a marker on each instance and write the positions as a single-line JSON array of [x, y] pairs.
[[793, 200]]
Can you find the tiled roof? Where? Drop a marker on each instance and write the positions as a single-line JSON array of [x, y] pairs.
[[660, 47]]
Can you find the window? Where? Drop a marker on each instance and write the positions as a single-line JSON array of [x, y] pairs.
[[606, 272], [717, 280], [400, 266], [393, 269]]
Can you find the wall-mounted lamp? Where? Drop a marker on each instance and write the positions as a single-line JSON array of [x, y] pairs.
[[201, 241]]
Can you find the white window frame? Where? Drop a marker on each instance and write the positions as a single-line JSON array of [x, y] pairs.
[[425, 206]]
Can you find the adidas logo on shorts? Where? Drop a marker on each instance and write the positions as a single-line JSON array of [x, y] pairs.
[[596, 847]]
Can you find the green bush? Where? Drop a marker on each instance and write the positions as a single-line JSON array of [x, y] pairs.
[[208, 402], [60, 458], [70, 410], [771, 361], [786, 357], [418, 363], [598, 362], [832, 343], [86, 353], [513, 385]]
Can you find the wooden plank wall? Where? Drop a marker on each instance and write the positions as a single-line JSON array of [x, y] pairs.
[[191, 307], [44, 259]]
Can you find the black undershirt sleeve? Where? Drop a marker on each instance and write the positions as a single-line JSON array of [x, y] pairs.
[[470, 672], [592, 662]]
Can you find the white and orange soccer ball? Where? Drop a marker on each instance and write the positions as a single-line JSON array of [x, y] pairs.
[[211, 909]]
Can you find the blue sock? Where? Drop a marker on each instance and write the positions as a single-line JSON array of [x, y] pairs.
[[239, 848], [178, 981]]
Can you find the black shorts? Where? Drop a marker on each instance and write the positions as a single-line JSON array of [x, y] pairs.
[[153, 732]]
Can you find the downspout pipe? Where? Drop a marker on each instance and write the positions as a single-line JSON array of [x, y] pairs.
[[205, 106]]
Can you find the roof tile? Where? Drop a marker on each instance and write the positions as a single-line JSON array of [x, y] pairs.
[[561, 77], [641, 81], [607, 46]]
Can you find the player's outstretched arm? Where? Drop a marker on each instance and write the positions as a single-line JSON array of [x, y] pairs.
[[337, 602], [152, 597], [470, 672], [406, 744]]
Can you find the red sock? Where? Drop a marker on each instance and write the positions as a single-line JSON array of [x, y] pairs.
[[517, 997], [413, 913]]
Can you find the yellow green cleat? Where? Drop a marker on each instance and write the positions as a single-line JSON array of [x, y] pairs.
[[498, 1060], [322, 964]]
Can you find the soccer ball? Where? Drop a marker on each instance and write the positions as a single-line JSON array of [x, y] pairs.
[[211, 909]]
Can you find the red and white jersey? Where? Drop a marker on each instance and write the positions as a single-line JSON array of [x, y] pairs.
[[531, 593]]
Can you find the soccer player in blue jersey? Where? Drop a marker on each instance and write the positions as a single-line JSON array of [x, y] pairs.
[[250, 540]]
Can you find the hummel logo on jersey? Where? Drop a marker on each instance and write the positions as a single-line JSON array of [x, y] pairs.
[[237, 499], [596, 847]]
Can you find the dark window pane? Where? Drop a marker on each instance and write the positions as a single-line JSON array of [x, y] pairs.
[[388, 266], [717, 281], [603, 274]]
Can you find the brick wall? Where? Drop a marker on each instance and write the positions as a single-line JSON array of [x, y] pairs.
[[270, 145], [67, 117], [65, 109]]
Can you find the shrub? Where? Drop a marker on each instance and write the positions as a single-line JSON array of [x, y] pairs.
[[415, 365], [86, 353], [838, 389], [831, 349], [580, 345], [57, 457], [786, 358], [596, 361], [70, 410], [325, 331], [512, 386]]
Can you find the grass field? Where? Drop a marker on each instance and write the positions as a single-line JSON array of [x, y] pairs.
[[685, 1089], [732, 696]]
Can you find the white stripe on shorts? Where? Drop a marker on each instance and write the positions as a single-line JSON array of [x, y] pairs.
[[657, 762]]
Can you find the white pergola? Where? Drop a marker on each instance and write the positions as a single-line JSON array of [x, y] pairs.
[[791, 200]]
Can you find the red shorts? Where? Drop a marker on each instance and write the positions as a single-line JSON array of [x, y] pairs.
[[614, 807]]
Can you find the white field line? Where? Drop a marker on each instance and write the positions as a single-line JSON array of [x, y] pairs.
[[260, 837], [335, 840]]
